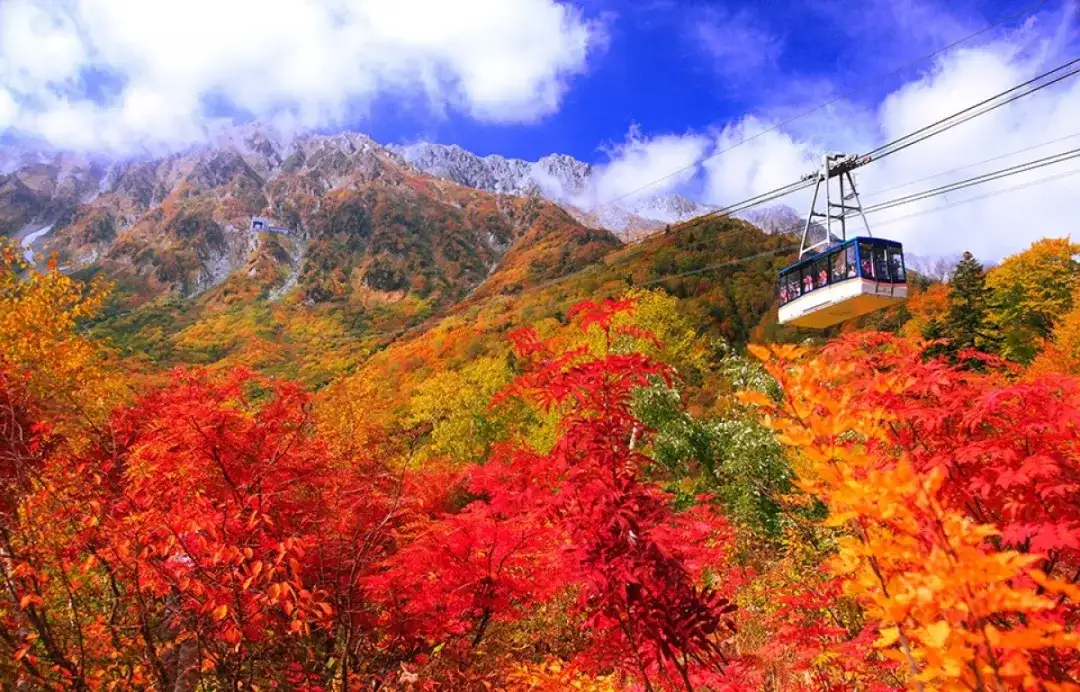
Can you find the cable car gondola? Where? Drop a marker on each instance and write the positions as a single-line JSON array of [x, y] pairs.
[[850, 279], [838, 279]]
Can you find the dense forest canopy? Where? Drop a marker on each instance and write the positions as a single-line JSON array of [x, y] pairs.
[[581, 484]]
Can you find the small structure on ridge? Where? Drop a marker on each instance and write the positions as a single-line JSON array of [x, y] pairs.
[[261, 224]]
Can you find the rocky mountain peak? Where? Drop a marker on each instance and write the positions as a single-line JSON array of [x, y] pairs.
[[557, 177], [776, 219]]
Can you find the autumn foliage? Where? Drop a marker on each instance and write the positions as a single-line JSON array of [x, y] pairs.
[[588, 507], [580, 519], [206, 536], [957, 496]]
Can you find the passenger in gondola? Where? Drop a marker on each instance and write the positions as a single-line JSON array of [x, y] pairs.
[[867, 268], [851, 271], [783, 294], [807, 283], [822, 277]]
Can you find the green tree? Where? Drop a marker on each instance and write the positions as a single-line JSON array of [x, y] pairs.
[[967, 324], [731, 455]]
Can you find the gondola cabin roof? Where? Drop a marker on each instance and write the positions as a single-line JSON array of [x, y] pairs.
[[815, 256]]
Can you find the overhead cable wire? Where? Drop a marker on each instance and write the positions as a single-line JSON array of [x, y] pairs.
[[758, 200], [972, 112], [896, 202], [767, 253], [922, 134], [878, 193], [730, 263], [975, 180], [828, 102], [995, 193], [793, 229]]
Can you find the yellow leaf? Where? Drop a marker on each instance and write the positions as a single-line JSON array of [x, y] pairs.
[[888, 637], [936, 635], [220, 612]]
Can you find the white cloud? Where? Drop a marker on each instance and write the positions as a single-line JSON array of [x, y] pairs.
[[1001, 224], [738, 46], [39, 45], [8, 109], [992, 227], [769, 159], [299, 61], [639, 162]]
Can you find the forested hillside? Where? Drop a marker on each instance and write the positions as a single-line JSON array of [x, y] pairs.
[[572, 477], [421, 436]]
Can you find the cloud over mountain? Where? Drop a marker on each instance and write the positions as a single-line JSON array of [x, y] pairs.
[[777, 151], [129, 75], [124, 74]]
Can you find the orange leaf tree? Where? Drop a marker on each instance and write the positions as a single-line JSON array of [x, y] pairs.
[[956, 497]]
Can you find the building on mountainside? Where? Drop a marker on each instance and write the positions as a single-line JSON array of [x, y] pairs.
[[261, 224]]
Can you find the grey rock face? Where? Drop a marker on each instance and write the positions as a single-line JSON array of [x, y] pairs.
[[558, 177]]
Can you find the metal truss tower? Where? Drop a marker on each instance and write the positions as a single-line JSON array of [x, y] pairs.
[[838, 166]]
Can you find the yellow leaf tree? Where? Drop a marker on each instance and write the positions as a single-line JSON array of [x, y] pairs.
[[1061, 354], [41, 314], [455, 404], [958, 614], [1031, 292]]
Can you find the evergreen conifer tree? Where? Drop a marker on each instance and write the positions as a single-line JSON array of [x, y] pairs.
[[966, 325]]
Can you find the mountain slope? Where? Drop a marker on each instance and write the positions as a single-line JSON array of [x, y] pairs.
[[556, 177], [368, 252], [365, 246], [720, 274], [358, 218]]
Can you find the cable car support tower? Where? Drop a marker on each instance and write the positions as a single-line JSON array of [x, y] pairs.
[[838, 166], [837, 279]]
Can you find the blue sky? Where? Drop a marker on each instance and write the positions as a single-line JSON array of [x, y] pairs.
[[670, 66], [639, 88], [665, 66]]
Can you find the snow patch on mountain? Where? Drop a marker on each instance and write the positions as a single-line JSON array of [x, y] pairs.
[[262, 154], [775, 220], [557, 177], [934, 267]]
